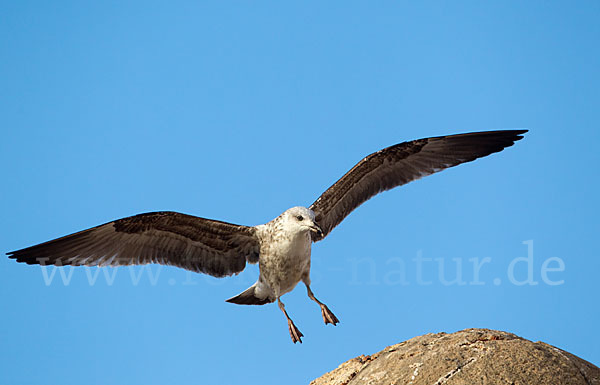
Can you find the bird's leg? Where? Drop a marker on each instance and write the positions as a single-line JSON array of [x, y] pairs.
[[327, 314], [294, 332]]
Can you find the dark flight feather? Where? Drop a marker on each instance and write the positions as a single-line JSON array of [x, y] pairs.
[[168, 238], [402, 163]]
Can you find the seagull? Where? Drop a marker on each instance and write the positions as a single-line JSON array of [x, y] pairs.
[[281, 247]]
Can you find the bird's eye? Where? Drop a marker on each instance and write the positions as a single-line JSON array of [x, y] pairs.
[[300, 217]]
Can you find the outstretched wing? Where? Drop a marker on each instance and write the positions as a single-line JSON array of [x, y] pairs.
[[402, 163], [169, 238]]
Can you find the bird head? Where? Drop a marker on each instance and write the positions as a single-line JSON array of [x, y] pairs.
[[302, 219]]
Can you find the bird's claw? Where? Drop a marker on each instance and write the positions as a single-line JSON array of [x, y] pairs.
[[328, 316], [294, 332]]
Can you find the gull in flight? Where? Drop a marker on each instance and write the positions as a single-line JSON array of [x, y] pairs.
[[282, 246]]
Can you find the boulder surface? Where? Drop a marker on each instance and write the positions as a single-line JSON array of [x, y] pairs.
[[471, 356]]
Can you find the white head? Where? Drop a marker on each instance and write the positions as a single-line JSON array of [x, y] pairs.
[[300, 219]]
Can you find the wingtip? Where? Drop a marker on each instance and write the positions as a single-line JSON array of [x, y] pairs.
[[23, 257], [15, 256], [519, 133], [19, 256], [12, 254]]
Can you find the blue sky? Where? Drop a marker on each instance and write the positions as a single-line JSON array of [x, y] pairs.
[[239, 111]]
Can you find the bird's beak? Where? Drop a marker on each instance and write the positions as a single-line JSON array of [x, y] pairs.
[[316, 229]]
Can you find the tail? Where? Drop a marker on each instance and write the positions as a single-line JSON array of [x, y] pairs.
[[248, 297]]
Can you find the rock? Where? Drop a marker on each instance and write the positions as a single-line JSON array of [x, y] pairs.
[[469, 357]]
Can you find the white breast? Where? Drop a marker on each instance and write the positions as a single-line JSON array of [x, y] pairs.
[[284, 258]]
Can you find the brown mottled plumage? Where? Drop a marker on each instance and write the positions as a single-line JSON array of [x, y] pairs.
[[168, 238], [402, 163], [282, 246]]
